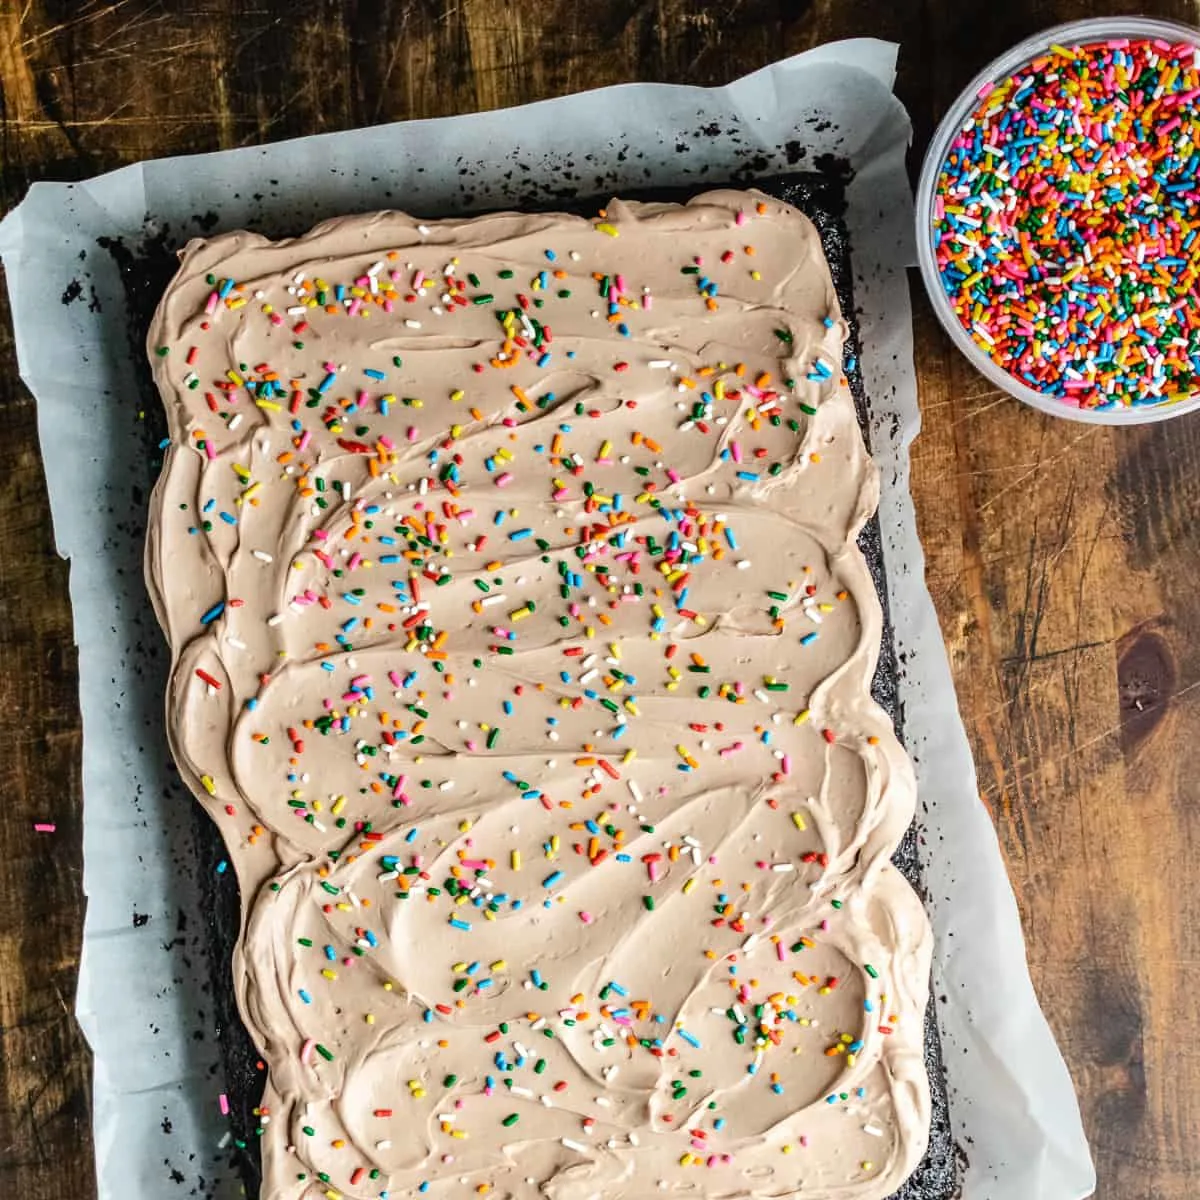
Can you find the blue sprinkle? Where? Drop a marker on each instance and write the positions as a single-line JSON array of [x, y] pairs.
[[213, 613]]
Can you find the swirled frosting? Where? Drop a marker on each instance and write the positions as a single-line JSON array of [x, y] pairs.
[[521, 651]]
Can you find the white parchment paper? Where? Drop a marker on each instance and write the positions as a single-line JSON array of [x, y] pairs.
[[143, 991]]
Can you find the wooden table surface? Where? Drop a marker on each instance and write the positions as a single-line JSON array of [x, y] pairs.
[[1063, 558]]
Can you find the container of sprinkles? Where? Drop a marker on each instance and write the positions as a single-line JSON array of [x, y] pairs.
[[1058, 221]]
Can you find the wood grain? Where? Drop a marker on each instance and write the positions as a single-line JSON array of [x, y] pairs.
[[1062, 559]]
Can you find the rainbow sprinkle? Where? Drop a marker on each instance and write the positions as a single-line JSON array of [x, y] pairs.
[[1065, 226]]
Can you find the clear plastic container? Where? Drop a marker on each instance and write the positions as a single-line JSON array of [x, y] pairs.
[[1073, 33]]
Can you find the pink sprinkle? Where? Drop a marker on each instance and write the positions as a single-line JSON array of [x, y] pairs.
[[210, 306], [44, 826], [673, 475], [355, 305], [209, 449], [740, 219], [306, 1051], [384, 440], [586, 918], [780, 952], [355, 559], [785, 765], [394, 678], [223, 1101], [504, 480], [735, 448], [305, 438]]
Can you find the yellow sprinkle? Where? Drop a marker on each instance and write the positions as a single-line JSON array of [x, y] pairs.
[[338, 804], [801, 717], [688, 885], [515, 858], [329, 974], [605, 227], [457, 394], [209, 786], [500, 965], [799, 822], [370, 1018]]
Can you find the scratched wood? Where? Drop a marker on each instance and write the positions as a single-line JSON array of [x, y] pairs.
[[1062, 559]]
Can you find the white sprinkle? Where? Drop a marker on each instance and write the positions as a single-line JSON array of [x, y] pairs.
[[262, 556], [579, 1147]]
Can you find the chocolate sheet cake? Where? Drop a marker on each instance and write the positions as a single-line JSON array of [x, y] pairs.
[[671, 1067]]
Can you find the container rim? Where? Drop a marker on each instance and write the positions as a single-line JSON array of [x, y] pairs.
[[1092, 29]]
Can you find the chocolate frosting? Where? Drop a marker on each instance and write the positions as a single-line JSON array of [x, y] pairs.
[[521, 652]]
